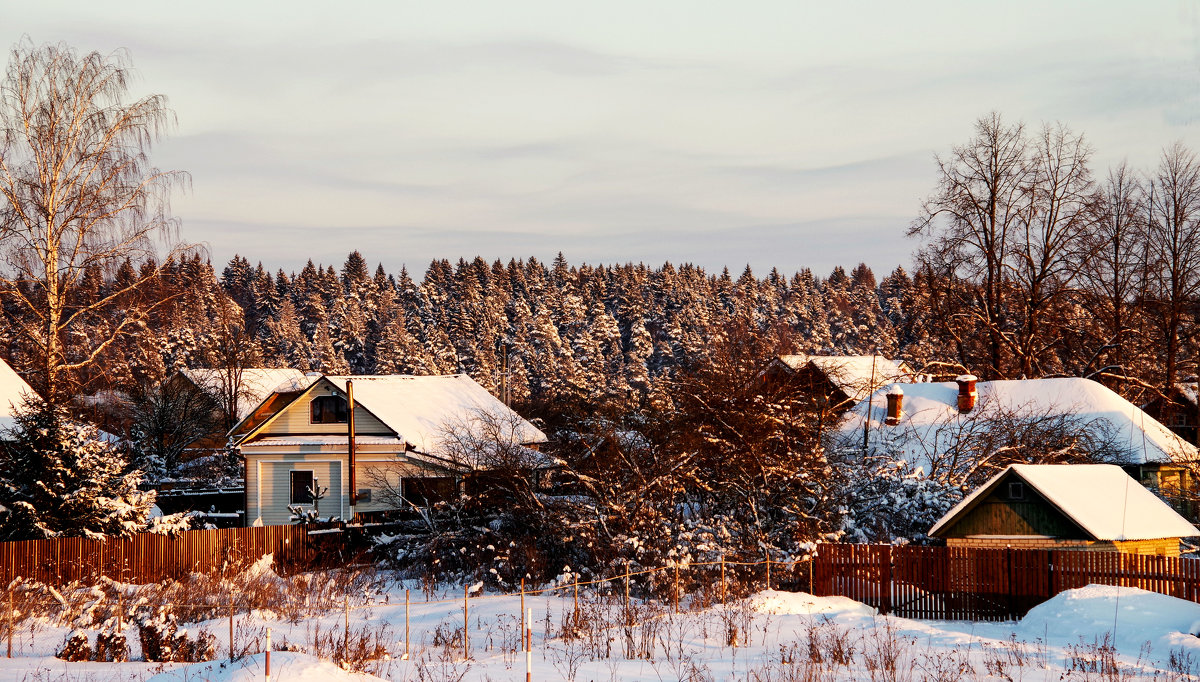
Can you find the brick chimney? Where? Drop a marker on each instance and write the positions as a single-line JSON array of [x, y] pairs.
[[967, 396], [895, 405]]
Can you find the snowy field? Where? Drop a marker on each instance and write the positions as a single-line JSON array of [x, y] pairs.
[[1094, 633]]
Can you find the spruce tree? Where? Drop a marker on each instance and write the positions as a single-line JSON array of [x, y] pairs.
[[58, 477]]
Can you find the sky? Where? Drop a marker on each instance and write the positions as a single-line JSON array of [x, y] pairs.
[[781, 134]]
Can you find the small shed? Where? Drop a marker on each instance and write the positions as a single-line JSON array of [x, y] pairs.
[[1090, 507]]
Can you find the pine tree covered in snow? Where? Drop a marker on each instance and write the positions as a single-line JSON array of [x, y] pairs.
[[59, 477]]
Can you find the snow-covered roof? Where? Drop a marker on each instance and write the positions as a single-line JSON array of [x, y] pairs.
[[13, 390], [854, 375], [1187, 389], [337, 440], [420, 409], [932, 423], [256, 383], [1101, 498]]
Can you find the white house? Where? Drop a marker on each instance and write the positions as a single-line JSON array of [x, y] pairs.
[[407, 438]]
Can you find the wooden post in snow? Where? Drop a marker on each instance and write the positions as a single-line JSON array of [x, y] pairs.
[[231, 626], [676, 590]]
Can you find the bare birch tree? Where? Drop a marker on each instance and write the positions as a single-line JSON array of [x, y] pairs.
[[78, 193], [970, 218], [1174, 249], [1050, 245], [1113, 272]]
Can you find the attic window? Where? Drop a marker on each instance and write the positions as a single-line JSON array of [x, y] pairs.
[[328, 409], [1016, 490]]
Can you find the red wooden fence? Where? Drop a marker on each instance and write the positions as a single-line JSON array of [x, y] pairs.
[[986, 584], [149, 557]]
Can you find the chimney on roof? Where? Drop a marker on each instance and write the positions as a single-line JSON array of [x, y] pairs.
[[895, 405], [967, 396]]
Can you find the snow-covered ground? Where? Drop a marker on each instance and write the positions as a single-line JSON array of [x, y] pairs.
[[1096, 632]]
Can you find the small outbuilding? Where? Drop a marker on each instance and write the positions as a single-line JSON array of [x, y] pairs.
[[835, 381], [1091, 507]]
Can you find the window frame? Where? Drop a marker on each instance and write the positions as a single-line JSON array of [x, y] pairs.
[[1016, 490], [322, 401], [312, 483]]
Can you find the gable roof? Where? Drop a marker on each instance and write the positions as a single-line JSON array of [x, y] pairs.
[[13, 391], [1101, 499], [854, 375], [256, 383], [931, 420], [419, 409]]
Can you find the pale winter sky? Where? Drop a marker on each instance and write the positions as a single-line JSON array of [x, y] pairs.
[[775, 133]]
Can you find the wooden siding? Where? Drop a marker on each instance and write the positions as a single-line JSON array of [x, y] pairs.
[[273, 490], [372, 474], [296, 419], [997, 514]]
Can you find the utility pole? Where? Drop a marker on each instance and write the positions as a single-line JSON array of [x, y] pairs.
[[350, 449], [870, 396]]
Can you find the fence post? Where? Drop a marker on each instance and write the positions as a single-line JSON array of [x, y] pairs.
[[627, 583], [522, 599], [722, 578], [676, 592], [406, 624], [346, 610], [1012, 588], [885, 580], [1049, 573], [575, 613], [466, 622], [11, 621], [768, 569], [268, 654], [528, 637], [231, 626]]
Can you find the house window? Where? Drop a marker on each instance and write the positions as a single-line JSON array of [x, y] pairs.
[[329, 409], [302, 487], [426, 491], [1016, 490]]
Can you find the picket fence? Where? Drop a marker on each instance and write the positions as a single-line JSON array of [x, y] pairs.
[[913, 582], [985, 584]]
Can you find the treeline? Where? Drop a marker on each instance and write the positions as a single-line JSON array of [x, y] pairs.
[[596, 332]]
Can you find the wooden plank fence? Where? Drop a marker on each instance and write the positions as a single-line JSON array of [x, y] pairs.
[[986, 584], [149, 557]]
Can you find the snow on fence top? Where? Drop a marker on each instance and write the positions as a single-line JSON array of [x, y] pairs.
[[932, 424], [1104, 500]]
